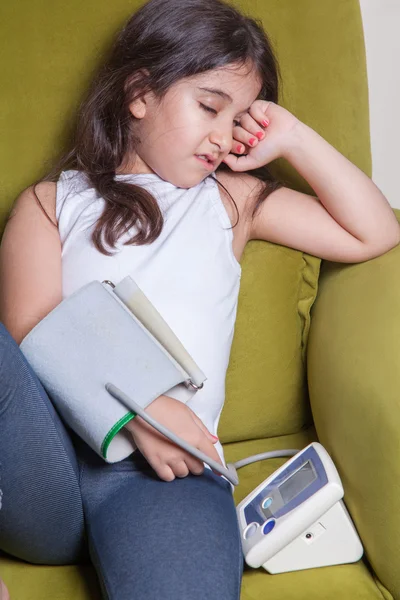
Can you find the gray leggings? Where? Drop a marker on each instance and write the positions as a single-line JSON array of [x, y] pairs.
[[62, 504]]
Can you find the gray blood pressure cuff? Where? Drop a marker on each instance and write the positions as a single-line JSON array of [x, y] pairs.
[[92, 338]]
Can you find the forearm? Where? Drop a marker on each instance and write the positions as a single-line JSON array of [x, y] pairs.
[[347, 193]]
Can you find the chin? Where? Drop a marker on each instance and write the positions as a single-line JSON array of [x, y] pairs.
[[194, 183], [184, 182]]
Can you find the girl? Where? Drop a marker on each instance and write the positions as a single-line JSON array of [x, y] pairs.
[[187, 97]]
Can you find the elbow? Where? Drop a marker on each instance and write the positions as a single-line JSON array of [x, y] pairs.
[[19, 329], [375, 250], [396, 235], [395, 241]]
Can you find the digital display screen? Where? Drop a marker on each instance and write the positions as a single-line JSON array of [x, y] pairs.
[[297, 482]]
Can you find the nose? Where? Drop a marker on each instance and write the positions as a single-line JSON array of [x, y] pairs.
[[222, 136]]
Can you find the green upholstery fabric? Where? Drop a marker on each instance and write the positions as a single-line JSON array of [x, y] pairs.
[[266, 369], [289, 363], [353, 356]]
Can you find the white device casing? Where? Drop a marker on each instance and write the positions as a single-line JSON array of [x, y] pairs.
[[334, 541], [259, 548]]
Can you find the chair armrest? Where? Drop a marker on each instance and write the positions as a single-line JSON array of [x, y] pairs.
[[353, 364]]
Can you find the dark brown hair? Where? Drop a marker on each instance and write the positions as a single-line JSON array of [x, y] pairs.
[[163, 42]]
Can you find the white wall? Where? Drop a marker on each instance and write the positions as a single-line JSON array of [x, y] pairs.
[[381, 20]]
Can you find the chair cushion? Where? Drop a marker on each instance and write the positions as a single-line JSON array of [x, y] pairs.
[[347, 582], [266, 384], [353, 375]]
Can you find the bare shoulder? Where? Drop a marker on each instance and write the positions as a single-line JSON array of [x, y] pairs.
[[244, 189], [30, 261], [28, 201]]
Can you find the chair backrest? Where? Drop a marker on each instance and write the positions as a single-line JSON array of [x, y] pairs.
[[50, 52]]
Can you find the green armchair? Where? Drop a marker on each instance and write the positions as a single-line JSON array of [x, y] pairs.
[[315, 341]]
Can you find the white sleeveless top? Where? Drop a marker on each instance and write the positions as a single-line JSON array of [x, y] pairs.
[[189, 272]]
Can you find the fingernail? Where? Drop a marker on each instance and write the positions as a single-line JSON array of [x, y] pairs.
[[265, 122], [252, 141], [239, 148], [260, 134]]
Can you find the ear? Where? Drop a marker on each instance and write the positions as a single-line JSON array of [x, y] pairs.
[[136, 82], [138, 108]]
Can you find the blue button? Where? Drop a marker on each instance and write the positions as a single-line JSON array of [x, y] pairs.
[[266, 502], [268, 526]]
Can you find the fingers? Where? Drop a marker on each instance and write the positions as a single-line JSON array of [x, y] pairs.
[[171, 461], [189, 464], [203, 428], [183, 463], [178, 467], [249, 133], [210, 450], [162, 469], [193, 465], [175, 466], [240, 163], [205, 443]]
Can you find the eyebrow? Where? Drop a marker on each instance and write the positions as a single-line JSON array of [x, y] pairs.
[[220, 93]]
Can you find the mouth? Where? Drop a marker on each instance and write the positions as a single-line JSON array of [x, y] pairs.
[[207, 160]]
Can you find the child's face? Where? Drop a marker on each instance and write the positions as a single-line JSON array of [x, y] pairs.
[[177, 129]]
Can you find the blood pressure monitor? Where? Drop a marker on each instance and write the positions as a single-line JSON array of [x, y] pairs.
[[296, 519]]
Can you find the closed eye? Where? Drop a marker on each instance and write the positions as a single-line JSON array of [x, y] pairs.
[[212, 110]]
